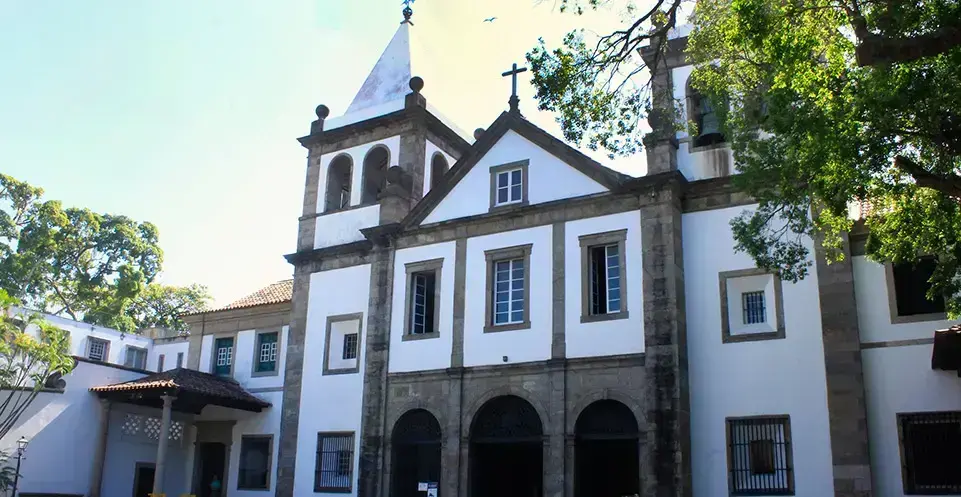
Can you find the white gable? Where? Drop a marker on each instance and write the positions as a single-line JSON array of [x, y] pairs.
[[549, 179]]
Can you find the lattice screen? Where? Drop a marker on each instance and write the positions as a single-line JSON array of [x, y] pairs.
[[132, 424], [136, 425]]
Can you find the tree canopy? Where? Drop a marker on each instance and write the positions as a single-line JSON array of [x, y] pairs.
[[825, 104], [99, 268]]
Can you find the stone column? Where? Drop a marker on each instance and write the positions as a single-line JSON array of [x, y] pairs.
[[666, 398], [100, 452], [844, 375], [162, 444], [555, 470]]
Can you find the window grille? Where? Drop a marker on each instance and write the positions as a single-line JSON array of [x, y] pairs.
[[509, 291], [759, 455], [509, 186], [753, 304], [98, 349], [931, 447], [350, 346], [334, 466]]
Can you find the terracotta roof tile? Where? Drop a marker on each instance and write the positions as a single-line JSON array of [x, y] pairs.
[[216, 389], [275, 293]]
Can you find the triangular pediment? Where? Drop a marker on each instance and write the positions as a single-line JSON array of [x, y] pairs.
[[552, 171]]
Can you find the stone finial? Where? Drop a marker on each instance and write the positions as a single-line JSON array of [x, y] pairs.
[[478, 133], [322, 111], [416, 84]]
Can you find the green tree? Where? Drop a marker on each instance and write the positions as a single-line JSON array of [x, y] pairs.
[[75, 262], [823, 103], [162, 306]]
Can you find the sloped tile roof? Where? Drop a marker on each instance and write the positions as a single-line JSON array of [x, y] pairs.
[[275, 293], [214, 389]]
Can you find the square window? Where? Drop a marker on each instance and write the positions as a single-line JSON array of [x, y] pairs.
[[255, 453], [350, 346], [509, 184], [908, 286], [753, 303], [931, 450], [334, 465], [760, 456], [135, 357], [266, 353], [97, 349], [751, 306]]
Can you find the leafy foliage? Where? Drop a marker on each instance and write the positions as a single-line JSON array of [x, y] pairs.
[[825, 104], [74, 262]]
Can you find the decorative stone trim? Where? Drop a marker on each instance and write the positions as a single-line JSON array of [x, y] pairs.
[[435, 265], [523, 165], [492, 257], [457, 320], [587, 241], [558, 294], [357, 316], [893, 302], [253, 365], [726, 336], [897, 343]]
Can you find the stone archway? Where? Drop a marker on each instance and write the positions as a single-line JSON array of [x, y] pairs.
[[415, 453], [506, 449], [606, 451]]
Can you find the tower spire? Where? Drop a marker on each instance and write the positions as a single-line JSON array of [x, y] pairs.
[[407, 11]]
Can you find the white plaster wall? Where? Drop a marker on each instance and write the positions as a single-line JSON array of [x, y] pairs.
[[428, 160], [80, 331], [344, 227], [771, 377], [206, 351], [169, 351], [549, 177], [700, 164], [874, 311], [263, 423], [433, 353], [123, 455], [622, 336], [331, 402], [900, 380], [244, 346], [364, 114], [57, 426], [357, 155], [534, 344]]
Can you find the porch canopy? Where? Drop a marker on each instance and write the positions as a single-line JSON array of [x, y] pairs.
[[947, 349], [190, 390]]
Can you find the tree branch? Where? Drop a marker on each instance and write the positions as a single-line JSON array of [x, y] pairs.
[[877, 50], [948, 184]]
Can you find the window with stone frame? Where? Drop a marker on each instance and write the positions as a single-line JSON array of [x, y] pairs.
[[751, 305], [334, 464], [135, 357], [255, 461], [603, 276], [509, 185], [760, 456], [223, 356], [342, 345], [265, 359], [931, 452], [97, 349], [908, 285], [422, 313], [508, 288]]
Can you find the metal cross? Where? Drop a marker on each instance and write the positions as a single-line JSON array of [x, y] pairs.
[[407, 10], [514, 101]]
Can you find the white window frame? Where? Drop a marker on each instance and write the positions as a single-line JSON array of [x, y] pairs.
[[518, 259], [588, 244], [105, 351], [509, 170]]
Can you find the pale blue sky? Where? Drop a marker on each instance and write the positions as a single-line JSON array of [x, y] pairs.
[[186, 113]]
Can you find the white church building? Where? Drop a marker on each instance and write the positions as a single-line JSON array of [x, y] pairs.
[[500, 315]]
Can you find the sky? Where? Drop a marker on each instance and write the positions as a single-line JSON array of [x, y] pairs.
[[186, 113]]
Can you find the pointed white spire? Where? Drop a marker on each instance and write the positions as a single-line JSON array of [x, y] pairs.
[[389, 79]]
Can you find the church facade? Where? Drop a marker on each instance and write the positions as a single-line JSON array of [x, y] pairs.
[[497, 314]]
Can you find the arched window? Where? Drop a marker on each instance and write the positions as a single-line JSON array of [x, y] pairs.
[[438, 166], [704, 117], [375, 174], [338, 183]]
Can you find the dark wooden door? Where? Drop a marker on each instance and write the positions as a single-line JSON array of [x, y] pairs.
[[143, 480]]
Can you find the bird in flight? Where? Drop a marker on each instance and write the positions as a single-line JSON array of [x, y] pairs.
[[490, 19]]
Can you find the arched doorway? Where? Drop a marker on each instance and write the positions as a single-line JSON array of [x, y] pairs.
[[506, 450], [606, 456], [415, 449]]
